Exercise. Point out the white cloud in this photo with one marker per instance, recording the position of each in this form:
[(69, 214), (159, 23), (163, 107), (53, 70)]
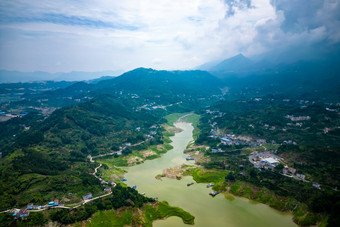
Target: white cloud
[(169, 34)]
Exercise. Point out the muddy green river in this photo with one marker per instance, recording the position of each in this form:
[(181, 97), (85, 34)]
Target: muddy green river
[(208, 211)]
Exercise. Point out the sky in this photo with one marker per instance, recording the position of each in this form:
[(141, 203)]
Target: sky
[(97, 35)]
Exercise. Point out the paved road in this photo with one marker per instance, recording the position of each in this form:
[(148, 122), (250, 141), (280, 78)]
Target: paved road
[(94, 174), (89, 200), (115, 152)]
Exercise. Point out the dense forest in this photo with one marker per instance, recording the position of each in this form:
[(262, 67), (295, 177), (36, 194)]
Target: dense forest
[(304, 133), (45, 156)]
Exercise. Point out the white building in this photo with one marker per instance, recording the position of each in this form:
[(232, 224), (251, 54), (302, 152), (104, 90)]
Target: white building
[(271, 161)]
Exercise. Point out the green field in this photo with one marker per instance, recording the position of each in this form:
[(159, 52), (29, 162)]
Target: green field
[(163, 210), (192, 118), (172, 118), (141, 217), (109, 218)]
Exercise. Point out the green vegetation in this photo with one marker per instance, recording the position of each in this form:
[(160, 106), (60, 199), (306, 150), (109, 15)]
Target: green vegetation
[(122, 197), (311, 147), (143, 216), (110, 172), (34, 219), (171, 118), (194, 119), (26, 180), (163, 210), (44, 157), (49, 161), (110, 218), (206, 176)]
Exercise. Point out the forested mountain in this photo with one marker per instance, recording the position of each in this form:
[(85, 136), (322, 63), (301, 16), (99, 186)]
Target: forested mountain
[(318, 76), (7, 76), (46, 156), (162, 87), (233, 65), (48, 151), (150, 83), (39, 149)]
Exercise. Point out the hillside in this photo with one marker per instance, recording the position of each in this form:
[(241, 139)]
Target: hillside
[(302, 133), (319, 76), (49, 159), (53, 150), (233, 65), (169, 84)]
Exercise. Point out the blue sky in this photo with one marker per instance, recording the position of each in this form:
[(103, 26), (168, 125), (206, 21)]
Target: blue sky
[(88, 35)]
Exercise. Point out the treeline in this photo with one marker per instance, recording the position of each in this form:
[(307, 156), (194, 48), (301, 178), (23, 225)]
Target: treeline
[(266, 119), (121, 197), (316, 153)]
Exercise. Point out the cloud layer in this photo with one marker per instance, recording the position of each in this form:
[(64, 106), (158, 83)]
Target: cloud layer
[(169, 34)]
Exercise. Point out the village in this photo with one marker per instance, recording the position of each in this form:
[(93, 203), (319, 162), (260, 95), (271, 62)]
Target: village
[(231, 139), (268, 160), (22, 213)]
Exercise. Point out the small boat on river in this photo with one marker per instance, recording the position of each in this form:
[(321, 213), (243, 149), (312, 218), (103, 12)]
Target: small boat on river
[(189, 184), (210, 185), (213, 194)]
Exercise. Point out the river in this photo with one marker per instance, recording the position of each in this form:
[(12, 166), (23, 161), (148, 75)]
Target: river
[(195, 199)]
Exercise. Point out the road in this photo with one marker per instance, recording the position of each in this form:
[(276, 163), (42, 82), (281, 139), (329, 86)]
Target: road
[(89, 200), (115, 152), (94, 174)]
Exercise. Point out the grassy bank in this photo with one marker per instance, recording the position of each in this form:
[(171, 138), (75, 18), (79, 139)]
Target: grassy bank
[(206, 176), (172, 118), (109, 218), (194, 119), (164, 210), (191, 118), (300, 212), (137, 216)]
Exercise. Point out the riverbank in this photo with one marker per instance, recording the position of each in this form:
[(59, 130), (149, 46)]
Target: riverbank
[(113, 166), (288, 205), (195, 199), (143, 216)]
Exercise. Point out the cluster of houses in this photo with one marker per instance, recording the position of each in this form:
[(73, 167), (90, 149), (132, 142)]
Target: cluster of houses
[(291, 172), (102, 181), (264, 160), (299, 118), (21, 213), (24, 212), (153, 106), (87, 196), (231, 139), (332, 110), (268, 160)]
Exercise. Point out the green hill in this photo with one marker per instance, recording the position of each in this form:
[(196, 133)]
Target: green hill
[(49, 159)]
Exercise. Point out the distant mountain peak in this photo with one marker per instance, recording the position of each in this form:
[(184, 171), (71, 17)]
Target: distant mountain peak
[(236, 59), (235, 63), (240, 55)]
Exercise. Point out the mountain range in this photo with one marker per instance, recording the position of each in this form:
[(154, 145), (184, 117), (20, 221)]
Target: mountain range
[(7, 76)]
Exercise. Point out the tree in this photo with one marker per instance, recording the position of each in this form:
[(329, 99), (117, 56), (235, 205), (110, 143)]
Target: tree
[(279, 166), (230, 177)]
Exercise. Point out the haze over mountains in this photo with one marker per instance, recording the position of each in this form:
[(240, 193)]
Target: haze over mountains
[(90, 88), (7, 76)]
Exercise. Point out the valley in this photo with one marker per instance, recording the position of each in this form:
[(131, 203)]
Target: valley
[(110, 140), (170, 113)]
